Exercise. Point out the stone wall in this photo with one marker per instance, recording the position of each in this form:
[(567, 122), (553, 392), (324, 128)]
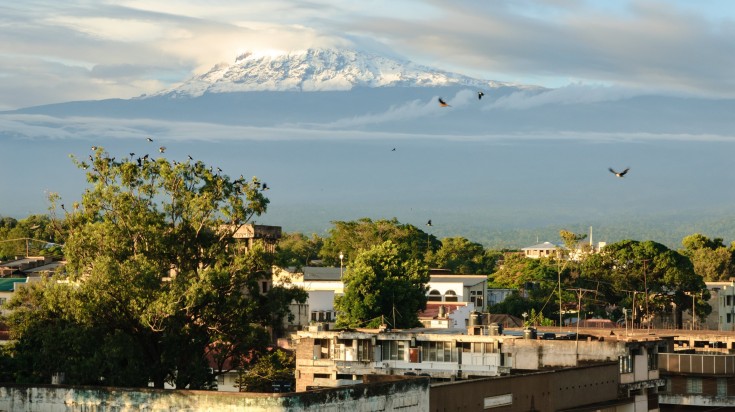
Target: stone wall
[(406, 395)]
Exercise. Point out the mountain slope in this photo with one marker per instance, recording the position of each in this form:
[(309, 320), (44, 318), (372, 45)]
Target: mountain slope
[(318, 70)]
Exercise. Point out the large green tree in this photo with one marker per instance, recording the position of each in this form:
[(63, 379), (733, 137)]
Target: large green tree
[(297, 249), (350, 237), (660, 279), (711, 258), (460, 255), (151, 258), (383, 284)]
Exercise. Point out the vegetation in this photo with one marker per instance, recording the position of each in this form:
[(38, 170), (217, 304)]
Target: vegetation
[(155, 286), (383, 284), (266, 368)]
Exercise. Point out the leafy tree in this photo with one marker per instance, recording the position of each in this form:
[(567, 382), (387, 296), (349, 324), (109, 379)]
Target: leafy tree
[(711, 259), (517, 305), (266, 368), (35, 235), (152, 261), (352, 237), (631, 267), (462, 256), (296, 249), (383, 283)]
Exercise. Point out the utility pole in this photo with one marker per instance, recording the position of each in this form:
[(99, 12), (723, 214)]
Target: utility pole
[(645, 288), (580, 292)]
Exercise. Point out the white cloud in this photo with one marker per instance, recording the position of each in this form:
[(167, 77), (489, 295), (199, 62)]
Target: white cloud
[(571, 94)]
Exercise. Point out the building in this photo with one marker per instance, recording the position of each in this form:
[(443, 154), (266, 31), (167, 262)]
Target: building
[(459, 288), (322, 284), (545, 249), (446, 314), (8, 286), (342, 358)]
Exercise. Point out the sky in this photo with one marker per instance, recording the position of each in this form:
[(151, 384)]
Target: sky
[(54, 51)]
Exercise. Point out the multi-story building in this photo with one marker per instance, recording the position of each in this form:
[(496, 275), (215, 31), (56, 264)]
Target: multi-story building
[(339, 358), (322, 284)]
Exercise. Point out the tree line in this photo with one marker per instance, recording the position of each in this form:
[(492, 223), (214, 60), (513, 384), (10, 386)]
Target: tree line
[(156, 289)]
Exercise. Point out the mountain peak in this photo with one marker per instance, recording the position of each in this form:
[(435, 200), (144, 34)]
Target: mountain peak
[(317, 70)]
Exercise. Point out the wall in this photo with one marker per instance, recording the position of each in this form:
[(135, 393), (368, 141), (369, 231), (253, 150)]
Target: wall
[(406, 395), (540, 391)]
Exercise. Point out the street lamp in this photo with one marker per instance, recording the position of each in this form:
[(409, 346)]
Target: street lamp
[(341, 256)]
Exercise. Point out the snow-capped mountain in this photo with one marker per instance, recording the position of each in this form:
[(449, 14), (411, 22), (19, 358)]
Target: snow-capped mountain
[(319, 70)]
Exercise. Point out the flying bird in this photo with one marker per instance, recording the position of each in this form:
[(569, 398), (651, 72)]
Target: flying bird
[(619, 174), (94, 147), (265, 186), (162, 149), (442, 103), (190, 158), (479, 95), (429, 223), (394, 149), (149, 139)]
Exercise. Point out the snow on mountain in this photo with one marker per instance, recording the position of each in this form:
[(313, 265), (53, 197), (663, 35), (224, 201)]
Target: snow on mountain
[(318, 70)]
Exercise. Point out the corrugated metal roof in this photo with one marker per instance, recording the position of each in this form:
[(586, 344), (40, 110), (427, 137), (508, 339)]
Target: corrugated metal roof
[(542, 246)]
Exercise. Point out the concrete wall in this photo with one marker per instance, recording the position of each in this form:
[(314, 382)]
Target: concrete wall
[(406, 395), (541, 391)]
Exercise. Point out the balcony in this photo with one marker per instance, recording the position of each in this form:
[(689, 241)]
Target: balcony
[(696, 364)]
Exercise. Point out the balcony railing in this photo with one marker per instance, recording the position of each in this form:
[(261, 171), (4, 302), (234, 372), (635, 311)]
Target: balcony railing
[(696, 364)]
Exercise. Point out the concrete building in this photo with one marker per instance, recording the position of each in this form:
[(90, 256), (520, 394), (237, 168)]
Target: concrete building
[(700, 371), (343, 358), (544, 249), (322, 284)]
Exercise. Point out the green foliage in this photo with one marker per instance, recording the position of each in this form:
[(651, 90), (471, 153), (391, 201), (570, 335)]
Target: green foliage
[(298, 250), (266, 368), (629, 266), (462, 256), (352, 237), (152, 264), (517, 305), (36, 235), (711, 259), (383, 283)]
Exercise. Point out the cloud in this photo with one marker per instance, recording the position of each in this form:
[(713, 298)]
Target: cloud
[(412, 110), (572, 94), (43, 127), (672, 47)]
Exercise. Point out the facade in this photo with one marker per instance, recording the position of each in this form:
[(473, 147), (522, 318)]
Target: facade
[(459, 288), (343, 358), (446, 315), (700, 371), (545, 249), (322, 284)]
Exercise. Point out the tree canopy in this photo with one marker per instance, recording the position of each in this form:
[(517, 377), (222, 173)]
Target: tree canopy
[(154, 271), (351, 237), (383, 284), (656, 276), (460, 255), (711, 258)]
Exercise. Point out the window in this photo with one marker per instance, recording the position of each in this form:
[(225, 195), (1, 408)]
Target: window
[(722, 387), (450, 296), (476, 298), (626, 364), (435, 296), (264, 286), (694, 385), (437, 352), (394, 350), (652, 360), (364, 350)]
